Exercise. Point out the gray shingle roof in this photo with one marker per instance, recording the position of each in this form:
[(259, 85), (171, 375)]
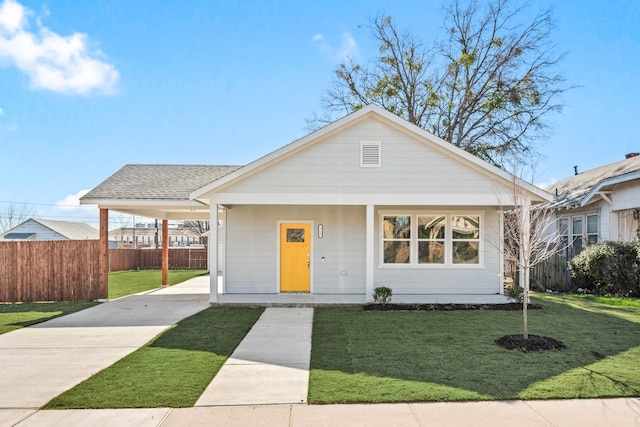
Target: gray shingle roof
[(157, 182), (571, 191)]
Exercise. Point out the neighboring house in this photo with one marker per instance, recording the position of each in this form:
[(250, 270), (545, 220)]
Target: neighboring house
[(599, 204), (369, 200), (147, 235), (46, 229)]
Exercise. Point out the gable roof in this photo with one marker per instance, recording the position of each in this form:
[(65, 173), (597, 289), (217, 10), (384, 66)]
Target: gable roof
[(585, 187), (156, 182), (70, 230), (370, 110)]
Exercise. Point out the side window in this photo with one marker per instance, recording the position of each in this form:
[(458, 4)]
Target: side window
[(465, 236), (576, 234), (592, 229)]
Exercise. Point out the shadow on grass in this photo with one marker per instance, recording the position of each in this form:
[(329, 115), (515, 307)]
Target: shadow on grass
[(362, 356)]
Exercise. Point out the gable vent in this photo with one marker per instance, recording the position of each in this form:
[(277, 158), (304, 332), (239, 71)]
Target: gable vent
[(370, 154)]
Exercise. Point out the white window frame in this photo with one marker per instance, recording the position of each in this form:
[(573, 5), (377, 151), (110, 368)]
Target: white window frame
[(569, 234), (413, 241)]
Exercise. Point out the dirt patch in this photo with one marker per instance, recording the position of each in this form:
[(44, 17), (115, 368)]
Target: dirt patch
[(533, 343), (513, 306)]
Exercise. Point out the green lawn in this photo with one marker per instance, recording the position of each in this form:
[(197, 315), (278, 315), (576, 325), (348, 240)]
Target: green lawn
[(122, 283), (172, 370), (18, 315), (360, 356)]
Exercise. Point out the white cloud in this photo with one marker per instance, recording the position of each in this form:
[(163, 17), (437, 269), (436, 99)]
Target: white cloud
[(1, 111), (348, 47), (72, 202), (53, 62)]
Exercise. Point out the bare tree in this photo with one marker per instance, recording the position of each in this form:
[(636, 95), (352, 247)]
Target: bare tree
[(119, 228), (486, 89), (15, 214), (530, 236), (198, 227)]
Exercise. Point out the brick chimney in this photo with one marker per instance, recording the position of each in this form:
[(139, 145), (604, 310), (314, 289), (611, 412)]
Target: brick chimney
[(630, 155)]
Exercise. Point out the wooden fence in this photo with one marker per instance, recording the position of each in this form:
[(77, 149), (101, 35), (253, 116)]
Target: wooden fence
[(63, 270), (131, 259)]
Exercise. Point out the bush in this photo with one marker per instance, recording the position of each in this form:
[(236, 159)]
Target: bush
[(612, 268), (382, 295), (514, 292)]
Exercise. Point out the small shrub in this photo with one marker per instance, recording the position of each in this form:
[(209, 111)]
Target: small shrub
[(514, 292), (613, 268), (382, 295)]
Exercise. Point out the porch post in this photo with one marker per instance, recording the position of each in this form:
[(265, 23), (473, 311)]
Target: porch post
[(165, 252), (213, 251), (103, 255), (369, 254)]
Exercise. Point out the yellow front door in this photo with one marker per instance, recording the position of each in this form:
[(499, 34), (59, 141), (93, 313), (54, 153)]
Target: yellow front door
[(295, 253)]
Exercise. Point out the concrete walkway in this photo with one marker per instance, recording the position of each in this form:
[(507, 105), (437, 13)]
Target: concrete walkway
[(270, 365), (39, 362), (558, 413)]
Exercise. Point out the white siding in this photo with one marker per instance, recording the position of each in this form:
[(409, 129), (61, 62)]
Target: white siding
[(252, 254), (332, 166), (252, 248), (627, 196), (484, 279)]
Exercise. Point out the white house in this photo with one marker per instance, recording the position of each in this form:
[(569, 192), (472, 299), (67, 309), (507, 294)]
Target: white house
[(599, 204), (46, 229), (370, 200)]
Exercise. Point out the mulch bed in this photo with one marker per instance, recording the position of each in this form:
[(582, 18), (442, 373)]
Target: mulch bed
[(513, 306), (533, 343)]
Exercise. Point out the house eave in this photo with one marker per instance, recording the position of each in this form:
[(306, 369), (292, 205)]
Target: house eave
[(599, 189)]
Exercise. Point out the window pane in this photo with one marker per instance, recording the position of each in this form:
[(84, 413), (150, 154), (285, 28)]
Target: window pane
[(431, 227), (396, 252), (564, 226), (592, 238), (295, 235), (577, 245), (431, 252), (465, 252), (465, 227), (577, 226), (592, 224), (397, 227)]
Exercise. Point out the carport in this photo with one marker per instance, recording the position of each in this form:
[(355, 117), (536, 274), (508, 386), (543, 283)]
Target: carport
[(153, 191)]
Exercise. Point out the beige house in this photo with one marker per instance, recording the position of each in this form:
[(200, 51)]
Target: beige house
[(369, 200), (599, 204), (46, 229)]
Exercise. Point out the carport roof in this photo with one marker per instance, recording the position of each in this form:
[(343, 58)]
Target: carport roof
[(157, 191), (156, 182)]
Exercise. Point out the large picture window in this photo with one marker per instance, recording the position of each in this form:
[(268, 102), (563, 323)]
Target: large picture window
[(431, 239)]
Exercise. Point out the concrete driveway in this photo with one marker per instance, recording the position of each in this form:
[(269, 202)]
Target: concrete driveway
[(40, 362)]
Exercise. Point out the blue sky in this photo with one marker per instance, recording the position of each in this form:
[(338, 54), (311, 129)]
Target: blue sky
[(86, 87)]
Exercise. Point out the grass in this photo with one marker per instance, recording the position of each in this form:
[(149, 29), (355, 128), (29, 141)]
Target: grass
[(618, 302), (360, 356), (122, 283), (19, 315), (172, 370)]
